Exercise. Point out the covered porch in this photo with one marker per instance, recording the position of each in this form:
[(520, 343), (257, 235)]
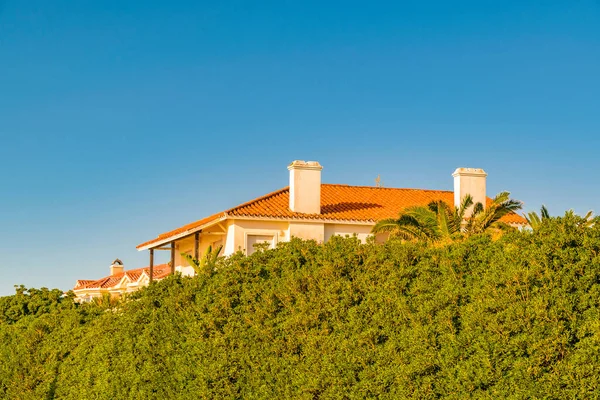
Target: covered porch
[(193, 242)]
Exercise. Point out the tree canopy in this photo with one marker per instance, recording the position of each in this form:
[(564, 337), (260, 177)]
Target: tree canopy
[(517, 317)]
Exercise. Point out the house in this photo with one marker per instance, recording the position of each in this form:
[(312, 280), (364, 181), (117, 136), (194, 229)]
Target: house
[(307, 208), (118, 282)]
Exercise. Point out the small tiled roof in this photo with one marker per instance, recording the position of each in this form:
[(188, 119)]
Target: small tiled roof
[(342, 203), (160, 271), (83, 282)]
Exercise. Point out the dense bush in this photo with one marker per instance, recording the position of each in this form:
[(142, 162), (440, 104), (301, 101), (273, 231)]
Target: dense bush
[(518, 317)]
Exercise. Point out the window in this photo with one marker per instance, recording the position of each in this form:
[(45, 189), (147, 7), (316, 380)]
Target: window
[(251, 240)]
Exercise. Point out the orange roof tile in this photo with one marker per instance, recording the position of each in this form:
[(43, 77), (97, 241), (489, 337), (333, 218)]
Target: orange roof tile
[(82, 282), (338, 203), (160, 271)]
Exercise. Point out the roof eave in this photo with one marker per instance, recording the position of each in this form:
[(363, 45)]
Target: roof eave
[(308, 219), (189, 232)]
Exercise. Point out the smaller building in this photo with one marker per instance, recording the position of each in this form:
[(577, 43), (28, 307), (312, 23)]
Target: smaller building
[(120, 281)]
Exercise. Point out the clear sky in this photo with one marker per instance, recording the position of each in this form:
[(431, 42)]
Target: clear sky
[(120, 119)]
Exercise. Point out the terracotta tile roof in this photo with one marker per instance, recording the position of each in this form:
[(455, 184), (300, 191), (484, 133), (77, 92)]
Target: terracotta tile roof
[(183, 229), (338, 203), (83, 282), (160, 271)]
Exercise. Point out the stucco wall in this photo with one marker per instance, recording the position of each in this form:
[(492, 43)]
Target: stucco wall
[(238, 230), (186, 245), (307, 230), (362, 231), (230, 239)]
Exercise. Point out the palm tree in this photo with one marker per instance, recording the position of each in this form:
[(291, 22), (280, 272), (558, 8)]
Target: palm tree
[(488, 219), (439, 221), (586, 221), (534, 220), (436, 222), (207, 263)]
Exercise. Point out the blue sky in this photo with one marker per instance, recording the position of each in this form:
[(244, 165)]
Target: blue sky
[(123, 119)]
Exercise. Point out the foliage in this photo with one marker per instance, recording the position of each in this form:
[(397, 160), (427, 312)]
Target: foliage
[(436, 222), (517, 317), (440, 222), (587, 221), (207, 263), (534, 220), (488, 219)]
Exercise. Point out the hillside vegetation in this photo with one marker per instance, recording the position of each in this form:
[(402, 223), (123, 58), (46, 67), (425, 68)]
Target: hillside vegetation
[(516, 317)]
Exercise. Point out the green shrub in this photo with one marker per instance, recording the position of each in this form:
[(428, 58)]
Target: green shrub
[(518, 317)]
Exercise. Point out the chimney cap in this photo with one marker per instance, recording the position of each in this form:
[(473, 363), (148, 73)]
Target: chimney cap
[(469, 172), (117, 262), (301, 164)]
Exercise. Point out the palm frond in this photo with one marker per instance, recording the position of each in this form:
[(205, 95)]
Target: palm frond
[(544, 212), (410, 233), (477, 209), (434, 205), (191, 260), (385, 226), (589, 220), (465, 203), (504, 227), (207, 262), (533, 219), (444, 220), (484, 219), (506, 207), (426, 221), (501, 197), (441, 221)]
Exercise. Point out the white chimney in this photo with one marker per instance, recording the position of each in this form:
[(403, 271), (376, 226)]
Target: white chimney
[(116, 267), (305, 187), (469, 181)]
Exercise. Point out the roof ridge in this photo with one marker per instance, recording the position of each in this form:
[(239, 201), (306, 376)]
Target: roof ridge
[(99, 282), (146, 267), (286, 188), (385, 188), (263, 197)]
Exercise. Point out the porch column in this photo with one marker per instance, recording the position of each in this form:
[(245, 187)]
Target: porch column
[(172, 258), (151, 265), (196, 244)]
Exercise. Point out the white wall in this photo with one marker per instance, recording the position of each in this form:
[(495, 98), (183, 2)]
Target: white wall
[(307, 230), (363, 231), (207, 238), (238, 232)]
